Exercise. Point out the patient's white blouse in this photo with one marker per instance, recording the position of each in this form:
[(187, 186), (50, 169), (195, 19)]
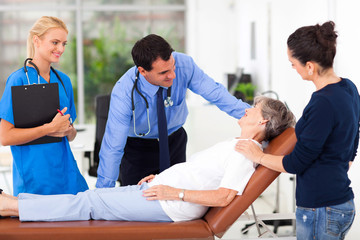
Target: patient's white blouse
[(215, 167)]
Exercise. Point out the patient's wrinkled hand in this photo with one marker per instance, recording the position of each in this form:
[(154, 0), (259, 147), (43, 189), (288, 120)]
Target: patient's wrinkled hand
[(161, 192), (147, 179)]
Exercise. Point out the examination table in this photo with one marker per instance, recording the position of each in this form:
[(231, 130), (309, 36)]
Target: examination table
[(215, 222)]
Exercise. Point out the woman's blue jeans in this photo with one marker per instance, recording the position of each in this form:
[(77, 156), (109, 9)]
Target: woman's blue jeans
[(325, 223)]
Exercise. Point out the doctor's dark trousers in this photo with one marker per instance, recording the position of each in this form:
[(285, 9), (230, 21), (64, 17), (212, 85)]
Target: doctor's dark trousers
[(141, 156)]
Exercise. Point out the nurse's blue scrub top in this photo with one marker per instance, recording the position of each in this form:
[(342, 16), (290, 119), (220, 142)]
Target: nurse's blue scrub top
[(43, 168)]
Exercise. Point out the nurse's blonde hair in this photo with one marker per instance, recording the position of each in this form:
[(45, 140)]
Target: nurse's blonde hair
[(40, 27)]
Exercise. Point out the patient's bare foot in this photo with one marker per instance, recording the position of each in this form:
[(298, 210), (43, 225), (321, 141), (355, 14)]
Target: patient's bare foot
[(8, 205), (9, 196)]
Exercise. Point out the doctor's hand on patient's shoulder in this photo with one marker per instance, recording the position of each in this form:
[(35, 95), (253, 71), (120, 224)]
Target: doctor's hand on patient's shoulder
[(146, 179), (250, 150), (60, 125)]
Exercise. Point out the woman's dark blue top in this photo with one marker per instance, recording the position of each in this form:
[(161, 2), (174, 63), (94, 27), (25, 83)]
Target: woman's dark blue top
[(327, 139)]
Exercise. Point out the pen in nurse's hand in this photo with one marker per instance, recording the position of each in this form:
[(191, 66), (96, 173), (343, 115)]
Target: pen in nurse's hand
[(70, 119), (60, 112)]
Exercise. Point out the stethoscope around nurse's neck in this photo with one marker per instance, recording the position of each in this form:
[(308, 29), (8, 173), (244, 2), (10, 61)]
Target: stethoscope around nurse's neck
[(168, 102), (29, 60)]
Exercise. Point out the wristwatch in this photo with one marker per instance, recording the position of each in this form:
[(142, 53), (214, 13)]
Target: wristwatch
[(181, 195)]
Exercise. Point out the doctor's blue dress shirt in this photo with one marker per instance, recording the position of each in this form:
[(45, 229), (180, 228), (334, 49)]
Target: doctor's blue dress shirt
[(48, 168), (120, 123)]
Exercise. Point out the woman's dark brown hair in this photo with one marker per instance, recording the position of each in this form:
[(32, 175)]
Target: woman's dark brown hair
[(314, 43)]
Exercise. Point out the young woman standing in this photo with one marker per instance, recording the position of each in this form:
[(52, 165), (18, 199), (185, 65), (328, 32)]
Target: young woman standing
[(48, 168), (327, 139)]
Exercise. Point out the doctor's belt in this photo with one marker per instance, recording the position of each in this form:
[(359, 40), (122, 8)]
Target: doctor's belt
[(148, 140)]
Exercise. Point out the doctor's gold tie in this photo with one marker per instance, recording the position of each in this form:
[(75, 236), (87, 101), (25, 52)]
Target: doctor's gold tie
[(164, 156)]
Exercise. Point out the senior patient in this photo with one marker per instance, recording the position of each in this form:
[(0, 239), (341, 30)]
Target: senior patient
[(212, 177)]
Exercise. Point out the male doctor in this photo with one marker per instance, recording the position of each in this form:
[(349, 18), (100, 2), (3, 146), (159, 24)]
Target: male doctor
[(144, 133)]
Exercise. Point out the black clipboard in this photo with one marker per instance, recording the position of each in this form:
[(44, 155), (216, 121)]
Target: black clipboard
[(35, 105)]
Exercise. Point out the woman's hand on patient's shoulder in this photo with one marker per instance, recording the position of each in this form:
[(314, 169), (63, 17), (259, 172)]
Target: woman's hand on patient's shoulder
[(249, 149), (146, 179)]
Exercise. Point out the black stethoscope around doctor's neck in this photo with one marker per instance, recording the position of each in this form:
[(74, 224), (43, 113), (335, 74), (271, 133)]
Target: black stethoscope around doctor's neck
[(29, 60), (168, 102)]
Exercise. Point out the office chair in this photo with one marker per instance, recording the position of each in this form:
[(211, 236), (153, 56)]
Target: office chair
[(102, 103)]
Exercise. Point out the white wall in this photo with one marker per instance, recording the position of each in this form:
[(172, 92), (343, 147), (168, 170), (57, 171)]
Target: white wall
[(257, 13), (211, 38), (286, 17), (348, 49), (211, 41), (275, 21)]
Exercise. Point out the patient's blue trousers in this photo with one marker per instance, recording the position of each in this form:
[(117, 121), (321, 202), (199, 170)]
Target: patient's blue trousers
[(120, 203)]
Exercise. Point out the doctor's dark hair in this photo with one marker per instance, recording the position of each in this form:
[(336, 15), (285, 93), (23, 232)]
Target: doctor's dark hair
[(148, 49), (40, 28), (278, 115), (314, 43)]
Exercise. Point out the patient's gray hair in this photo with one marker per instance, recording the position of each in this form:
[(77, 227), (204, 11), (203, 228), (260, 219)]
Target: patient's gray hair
[(279, 116)]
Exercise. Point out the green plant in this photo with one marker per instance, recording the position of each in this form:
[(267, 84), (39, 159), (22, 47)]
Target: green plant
[(248, 89), (107, 56), (106, 59)]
